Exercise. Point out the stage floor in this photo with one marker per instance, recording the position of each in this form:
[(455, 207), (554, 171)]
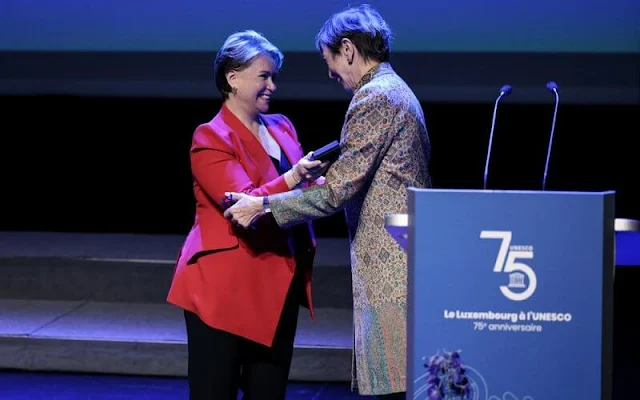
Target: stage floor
[(54, 386), (83, 316)]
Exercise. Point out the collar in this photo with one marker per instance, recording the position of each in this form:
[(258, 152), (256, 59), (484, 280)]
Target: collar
[(378, 70)]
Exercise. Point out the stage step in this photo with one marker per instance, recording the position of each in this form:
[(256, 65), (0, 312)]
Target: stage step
[(96, 303), (132, 247), (129, 268), (146, 339)]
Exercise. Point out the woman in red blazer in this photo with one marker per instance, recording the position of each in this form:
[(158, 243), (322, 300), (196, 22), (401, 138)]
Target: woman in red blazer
[(241, 289)]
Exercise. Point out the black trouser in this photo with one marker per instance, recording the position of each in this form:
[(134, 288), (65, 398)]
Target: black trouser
[(220, 363)]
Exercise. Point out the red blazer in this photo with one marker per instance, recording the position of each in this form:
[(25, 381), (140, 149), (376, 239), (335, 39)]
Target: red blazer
[(236, 280)]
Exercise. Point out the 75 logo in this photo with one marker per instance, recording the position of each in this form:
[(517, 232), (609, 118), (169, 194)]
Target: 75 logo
[(508, 261)]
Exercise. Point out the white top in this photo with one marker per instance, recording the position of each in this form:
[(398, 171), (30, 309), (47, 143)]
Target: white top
[(268, 142)]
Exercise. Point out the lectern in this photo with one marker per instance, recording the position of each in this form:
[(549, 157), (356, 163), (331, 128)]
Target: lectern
[(519, 282)]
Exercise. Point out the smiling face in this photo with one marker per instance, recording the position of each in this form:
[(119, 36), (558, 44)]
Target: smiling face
[(339, 67), (255, 84)]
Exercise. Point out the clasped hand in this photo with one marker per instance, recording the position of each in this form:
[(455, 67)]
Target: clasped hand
[(247, 209)]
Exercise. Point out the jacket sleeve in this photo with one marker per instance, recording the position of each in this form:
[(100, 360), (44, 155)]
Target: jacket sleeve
[(216, 168), (366, 136)]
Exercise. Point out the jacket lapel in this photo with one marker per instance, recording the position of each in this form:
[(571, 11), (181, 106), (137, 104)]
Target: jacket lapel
[(259, 157), (288, 146)]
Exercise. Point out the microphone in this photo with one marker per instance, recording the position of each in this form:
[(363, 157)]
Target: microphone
[(553, 88), (504, 91)]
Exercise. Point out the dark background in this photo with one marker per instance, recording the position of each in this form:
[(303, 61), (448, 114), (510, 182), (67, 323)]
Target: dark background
[(121, 164)]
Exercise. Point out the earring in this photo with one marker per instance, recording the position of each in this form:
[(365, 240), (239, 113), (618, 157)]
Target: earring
[(234, 90)]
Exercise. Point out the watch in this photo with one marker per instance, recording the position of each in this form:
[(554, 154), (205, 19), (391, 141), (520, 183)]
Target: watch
[(265, 204)]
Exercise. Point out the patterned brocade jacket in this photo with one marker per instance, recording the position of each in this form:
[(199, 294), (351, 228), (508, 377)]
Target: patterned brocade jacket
[(384, 149)]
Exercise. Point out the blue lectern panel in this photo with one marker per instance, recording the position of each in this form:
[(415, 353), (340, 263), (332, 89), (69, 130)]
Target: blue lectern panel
[(518, 281)]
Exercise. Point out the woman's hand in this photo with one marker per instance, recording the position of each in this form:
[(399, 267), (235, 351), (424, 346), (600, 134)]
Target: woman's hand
[(246, 210), (307, 170)]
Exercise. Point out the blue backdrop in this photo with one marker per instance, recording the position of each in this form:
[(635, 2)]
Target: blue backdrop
[(419, 26), (446, 50)]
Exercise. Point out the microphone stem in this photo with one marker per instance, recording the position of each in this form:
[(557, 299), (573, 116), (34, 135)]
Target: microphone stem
[(493, 124), (553, 127)]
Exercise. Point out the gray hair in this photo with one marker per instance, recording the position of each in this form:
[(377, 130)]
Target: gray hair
[(237, 52), (364, 26)]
